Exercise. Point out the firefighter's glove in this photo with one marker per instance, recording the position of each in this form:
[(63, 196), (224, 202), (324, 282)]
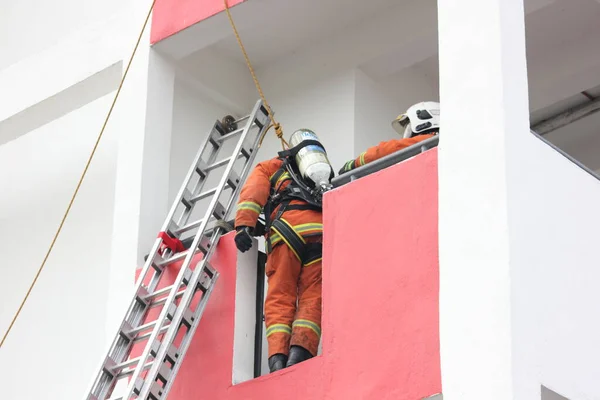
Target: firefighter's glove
[(243, 238), (350, 165)]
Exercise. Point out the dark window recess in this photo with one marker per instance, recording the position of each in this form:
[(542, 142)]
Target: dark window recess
[(258, 330)]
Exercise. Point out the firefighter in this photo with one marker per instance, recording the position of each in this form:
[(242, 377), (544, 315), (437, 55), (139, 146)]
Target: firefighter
[(288, 189), (421, 121)]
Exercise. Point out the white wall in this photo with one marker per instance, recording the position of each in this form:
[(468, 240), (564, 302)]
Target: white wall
[(64, 317), (326, 106), (193, 118), (66, 60), (553, 224), (31, 26), (374, 111)]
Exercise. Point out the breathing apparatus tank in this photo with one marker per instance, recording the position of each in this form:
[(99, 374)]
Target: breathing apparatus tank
[(312, 160)]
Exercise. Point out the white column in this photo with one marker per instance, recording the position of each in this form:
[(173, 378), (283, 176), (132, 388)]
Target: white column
[(483, 92), (157, 151), (142, 182)]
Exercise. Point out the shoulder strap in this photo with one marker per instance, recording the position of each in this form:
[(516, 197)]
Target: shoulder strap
[(276, 176), (294, 150)]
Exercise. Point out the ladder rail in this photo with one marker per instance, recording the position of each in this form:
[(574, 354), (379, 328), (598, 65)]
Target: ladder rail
[(175, 327), (101, 380), (171, 332), (136, 312), (191, 330), (245, 172), (160, 333), (198, 314)]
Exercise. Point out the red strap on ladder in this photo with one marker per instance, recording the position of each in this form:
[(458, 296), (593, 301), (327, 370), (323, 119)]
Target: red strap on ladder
[(168, 242)]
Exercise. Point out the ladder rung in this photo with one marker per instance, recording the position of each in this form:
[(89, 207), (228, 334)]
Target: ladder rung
[(230, 135), (163, 301), (204, 194), (212, 191), (219, 213), (242, 119), (218, 164), (130, 371), (177, 257), (126, 364), (141, 328), (158, 293), (188, 227), (202, 247), (147, 334), (135, 331)]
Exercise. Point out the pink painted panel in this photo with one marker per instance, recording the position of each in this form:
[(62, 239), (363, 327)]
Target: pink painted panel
[(381, 284), (214, 336), (172, 16), (380, 301)]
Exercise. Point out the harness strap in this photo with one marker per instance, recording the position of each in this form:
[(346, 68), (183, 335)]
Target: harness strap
[(294, 241), (302, 207), (313, 252), (307, 253)]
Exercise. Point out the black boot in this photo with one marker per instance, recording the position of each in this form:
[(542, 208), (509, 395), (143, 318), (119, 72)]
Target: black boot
[(277, 362), (297, 355)]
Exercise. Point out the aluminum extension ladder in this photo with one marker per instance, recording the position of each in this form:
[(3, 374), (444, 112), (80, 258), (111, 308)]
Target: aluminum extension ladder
[(166, 339)]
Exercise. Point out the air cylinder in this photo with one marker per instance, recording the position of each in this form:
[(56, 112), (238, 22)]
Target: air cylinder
[(312, 160)]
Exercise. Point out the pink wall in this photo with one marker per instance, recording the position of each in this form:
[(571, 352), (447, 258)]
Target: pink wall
[(172, 16), (380, 301)]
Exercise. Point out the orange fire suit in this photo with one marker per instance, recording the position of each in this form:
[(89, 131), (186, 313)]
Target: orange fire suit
[(288, 280), (382, 150)]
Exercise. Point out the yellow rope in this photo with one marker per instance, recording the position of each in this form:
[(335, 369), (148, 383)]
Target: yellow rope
[(274, 124), (82, 175)]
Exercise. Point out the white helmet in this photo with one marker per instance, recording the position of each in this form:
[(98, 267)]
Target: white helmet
[(421, 117)]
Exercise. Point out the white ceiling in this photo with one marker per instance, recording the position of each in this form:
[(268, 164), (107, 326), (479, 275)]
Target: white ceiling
[(387, 39), (292, 25)]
